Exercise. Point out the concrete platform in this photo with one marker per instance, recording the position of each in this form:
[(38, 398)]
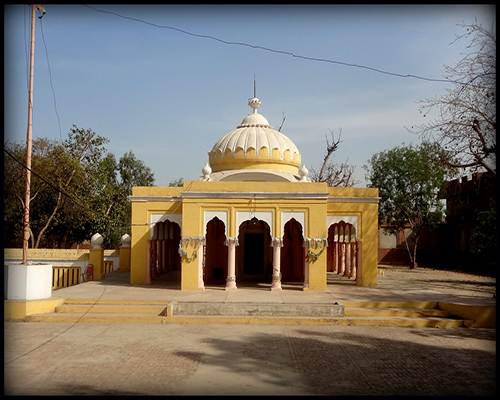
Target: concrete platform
[(392, 302), (117, 286), (260, 309)]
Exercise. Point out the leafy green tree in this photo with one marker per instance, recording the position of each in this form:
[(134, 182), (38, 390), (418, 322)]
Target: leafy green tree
[(77, 189), (133, 172), (410, 180), (55, 173), (176, 183)]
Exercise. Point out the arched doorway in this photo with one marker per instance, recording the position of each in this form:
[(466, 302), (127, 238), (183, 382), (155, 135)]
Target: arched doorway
[(292, 253), (215, 271), (254, 257), (163, 256), (342, 250)]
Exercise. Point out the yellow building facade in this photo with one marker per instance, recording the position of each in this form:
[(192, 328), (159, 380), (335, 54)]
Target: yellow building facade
[(254, 217)]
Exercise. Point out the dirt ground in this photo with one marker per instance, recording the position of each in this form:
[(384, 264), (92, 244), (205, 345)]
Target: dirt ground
[(451, 282)]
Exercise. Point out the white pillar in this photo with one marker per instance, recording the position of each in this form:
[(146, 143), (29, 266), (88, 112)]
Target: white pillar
[(200, 251), (231, 264), (306, 265), (276, 284)]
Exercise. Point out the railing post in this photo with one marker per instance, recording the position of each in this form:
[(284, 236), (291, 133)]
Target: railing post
[(96, 257), (124, 253)]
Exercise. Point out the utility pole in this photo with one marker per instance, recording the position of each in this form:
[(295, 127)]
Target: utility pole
[(26, 222)]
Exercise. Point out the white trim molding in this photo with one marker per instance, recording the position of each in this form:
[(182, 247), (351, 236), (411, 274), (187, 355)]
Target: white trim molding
[(266, 216), (349, 219), (353, 199), (153, 198), (299, 216), (256, 195), (155, 218), (210, 215)]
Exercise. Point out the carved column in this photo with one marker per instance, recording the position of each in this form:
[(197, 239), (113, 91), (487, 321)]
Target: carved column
[(201, 259), (306, 265), (277, 244), (231, 263)]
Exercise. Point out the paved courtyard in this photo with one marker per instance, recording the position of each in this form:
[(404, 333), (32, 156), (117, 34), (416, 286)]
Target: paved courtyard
[(215, 359), (196, 359)]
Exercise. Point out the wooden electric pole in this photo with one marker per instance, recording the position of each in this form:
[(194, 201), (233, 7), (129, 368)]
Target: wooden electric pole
[(26, 222)]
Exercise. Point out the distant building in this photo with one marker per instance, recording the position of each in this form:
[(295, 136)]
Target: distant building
[(254, 217), (465, 198), (450, 243)]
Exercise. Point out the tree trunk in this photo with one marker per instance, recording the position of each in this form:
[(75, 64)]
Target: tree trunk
[(414, 264), (62, 245), (408, 249), (42, 231)]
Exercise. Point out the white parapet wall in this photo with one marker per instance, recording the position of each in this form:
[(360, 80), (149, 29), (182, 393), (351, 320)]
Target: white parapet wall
[(56, 257), (20, 283), (60, 257)]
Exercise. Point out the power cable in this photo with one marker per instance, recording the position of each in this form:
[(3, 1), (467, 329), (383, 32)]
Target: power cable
[(280, 51), (50, 79)]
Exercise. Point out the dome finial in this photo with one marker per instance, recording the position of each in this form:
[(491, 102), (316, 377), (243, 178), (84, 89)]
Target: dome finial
[(255, 102)]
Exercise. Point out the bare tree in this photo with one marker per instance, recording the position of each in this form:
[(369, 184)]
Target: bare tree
[(283, 118), (335, 175), (464, 131)]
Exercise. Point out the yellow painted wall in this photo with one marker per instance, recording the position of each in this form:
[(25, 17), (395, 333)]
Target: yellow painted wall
[(141, 217), (16, 310), (316, 209), (367, 213), (263, 160)]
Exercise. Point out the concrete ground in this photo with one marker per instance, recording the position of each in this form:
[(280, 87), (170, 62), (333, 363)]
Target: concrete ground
[(215, 359), (199, 359)]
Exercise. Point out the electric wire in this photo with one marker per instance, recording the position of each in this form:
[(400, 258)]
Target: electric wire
[(288, 53), (50, 79), (64, 331)]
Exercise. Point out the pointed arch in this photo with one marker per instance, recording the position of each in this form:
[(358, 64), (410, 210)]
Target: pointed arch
[(216, 252), (292, 259), (342, 250)]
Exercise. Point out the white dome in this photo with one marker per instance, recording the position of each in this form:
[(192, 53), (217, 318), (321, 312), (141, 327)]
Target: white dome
[(255, 132), (254, 119)]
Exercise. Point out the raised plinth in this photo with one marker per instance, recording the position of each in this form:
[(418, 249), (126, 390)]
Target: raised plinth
[(238, 309), (27, 282)]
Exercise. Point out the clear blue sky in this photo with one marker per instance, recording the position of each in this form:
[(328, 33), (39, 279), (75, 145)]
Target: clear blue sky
[(169, 96)]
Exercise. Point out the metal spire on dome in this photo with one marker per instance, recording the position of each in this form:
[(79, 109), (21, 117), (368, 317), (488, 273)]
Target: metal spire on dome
[(255, 102)]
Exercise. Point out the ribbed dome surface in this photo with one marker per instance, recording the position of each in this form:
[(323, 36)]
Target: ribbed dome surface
[(255, 132), (256, 138)]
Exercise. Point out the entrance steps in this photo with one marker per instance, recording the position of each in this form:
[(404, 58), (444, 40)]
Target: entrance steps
[(404, 314)]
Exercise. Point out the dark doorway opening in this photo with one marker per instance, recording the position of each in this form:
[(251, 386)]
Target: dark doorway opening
[(253, 260), (254, 256), (215, 270), (292, 253)]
